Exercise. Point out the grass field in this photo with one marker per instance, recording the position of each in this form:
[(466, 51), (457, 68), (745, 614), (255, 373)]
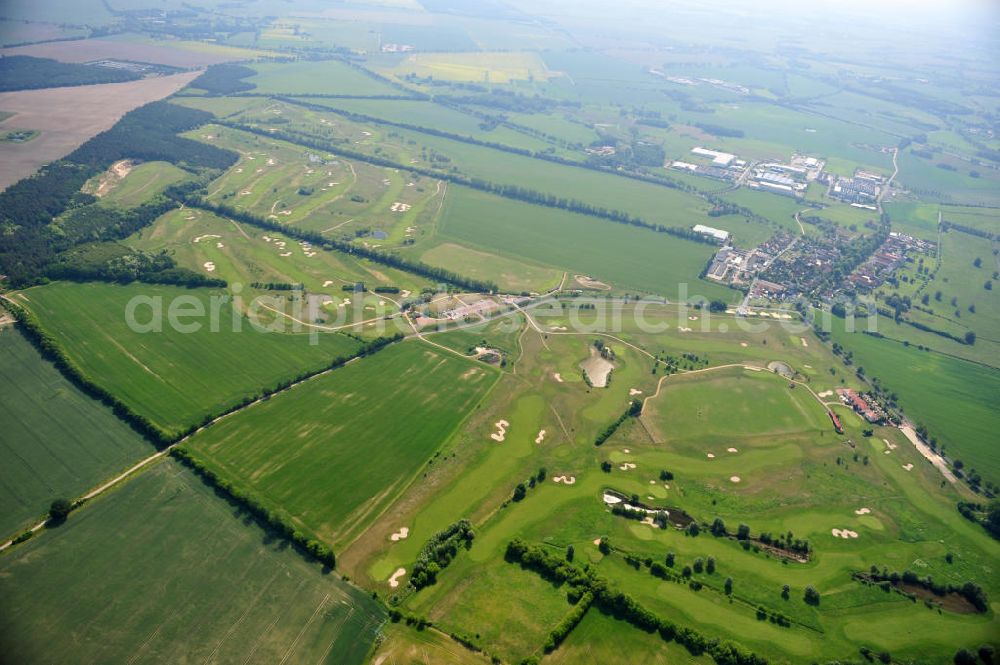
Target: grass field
[(162, 570), (175, 378), (623, 256), (46, 457), (498, 67), (334, 452), (956, 399), (510, 274), (143, 183), (327, 77)]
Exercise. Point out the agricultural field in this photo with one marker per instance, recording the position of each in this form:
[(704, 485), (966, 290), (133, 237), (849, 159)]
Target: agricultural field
[(490, 67), (226, 590), (385, 399), (46, 458), (179, 375), (327, 77)]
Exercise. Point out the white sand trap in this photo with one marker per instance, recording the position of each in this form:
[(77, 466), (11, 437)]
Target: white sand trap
[(683, 330), (327, 283), (651, 497), (849, 534), (566, 480), (804, 342), (692, 318), (270, 162), (540, 437), (400, 207), (239, 170), (266, 238), (501, 432), (862, 511), (366, 133), (825, 393), (285, 254), (732, 450), (710, 456), (889, 444), (597, 541), (557, 377), (209, 266), (744, 344), (627, 466), (837, 533), (209, 235), (394, 580), (259, 171), (908, 467), (611, 499), (627, 451), (652, 482), (347, 301), (665, 486), (309, 255), (404, 294), (734, 479), (219, 245), (633, 391), (401, 534), (887, 452), (246, 192), (558, 328)]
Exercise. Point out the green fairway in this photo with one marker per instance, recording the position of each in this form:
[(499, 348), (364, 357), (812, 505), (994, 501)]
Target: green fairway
[(55, 441), (174, 376), (335, 451), (143, 183), (162, 570)]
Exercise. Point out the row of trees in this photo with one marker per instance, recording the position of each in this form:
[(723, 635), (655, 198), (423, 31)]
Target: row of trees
[(439, 551), (618, 604), (633, 411)]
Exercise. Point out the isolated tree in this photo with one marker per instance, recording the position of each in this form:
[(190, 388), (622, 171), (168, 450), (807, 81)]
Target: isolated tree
[(718, 527), (570, 553), (520, 492), (785, 591), (710, 565), (604, 546), (686, 572), (671, 557), (606, 466), (964, 657), (811, 596), (59, 509), (743, 532), (728, 587), (693, 529), (699, 565)]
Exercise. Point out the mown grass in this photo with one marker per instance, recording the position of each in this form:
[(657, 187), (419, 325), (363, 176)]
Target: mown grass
[(56, 441), (336, 450), (175, 377), (162, 570), (143, 183), (320, 77)]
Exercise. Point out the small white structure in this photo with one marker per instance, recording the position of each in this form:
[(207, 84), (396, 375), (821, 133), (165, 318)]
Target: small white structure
[(718, 234)]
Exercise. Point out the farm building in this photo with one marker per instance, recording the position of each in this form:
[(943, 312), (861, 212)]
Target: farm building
[(718, 234)]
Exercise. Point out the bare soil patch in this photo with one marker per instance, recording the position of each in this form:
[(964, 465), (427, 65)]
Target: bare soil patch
[(66, 117)]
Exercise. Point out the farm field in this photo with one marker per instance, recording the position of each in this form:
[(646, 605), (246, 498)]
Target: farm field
[(386, 400), (490, 67), (227, 591), (175, 377), (66, 117), (46, 458), (324, 77), (622, 256)]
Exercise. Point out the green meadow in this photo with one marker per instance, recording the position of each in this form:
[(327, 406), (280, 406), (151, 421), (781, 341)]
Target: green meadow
[(45, 458), (176, 376), (163, 570)]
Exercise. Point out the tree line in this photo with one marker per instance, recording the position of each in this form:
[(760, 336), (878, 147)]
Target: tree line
[(606, 598), (439, 551), (633, 411), (22, 72)]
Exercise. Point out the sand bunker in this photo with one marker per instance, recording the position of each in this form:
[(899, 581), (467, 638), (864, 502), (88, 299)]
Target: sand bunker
[(744, 344), (597, 369), (626, 451), (209, 235), (692, 318), (710, 455), (734, 479), (327, 283), (804, 342), (557, 377), (683, 330), (611, 499), (862, 511), (400, 207), (540, 437), (652, 482), (285, 254), (568, 480), (825, 393), (732, 450), (908, 466), (627, 466), (209, 266), (843, 533), (501, 432), (558, 328), (394, 580), (401, 534), (634, 391)]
